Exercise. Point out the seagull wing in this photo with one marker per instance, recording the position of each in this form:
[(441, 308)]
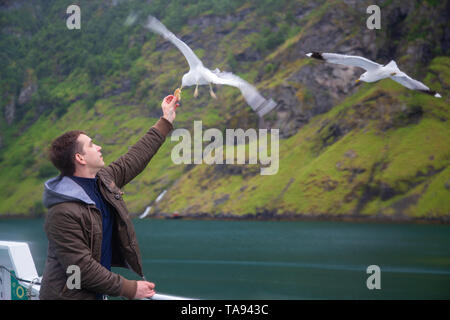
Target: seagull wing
[(413, 84), (156, 26), (354, 61), (256, 101)]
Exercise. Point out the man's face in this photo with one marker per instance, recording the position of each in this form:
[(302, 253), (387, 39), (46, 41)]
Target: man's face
[(90, 155)]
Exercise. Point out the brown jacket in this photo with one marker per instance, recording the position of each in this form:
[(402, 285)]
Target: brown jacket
[(74, 227)]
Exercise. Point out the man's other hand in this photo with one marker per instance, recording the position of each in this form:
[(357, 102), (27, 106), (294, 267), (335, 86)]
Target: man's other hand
[(144, 289), (168, 106)]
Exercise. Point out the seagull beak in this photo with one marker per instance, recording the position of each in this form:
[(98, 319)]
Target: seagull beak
[(357, 81)]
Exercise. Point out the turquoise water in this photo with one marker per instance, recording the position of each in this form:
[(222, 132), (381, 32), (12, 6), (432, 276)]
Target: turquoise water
[(279, 260)]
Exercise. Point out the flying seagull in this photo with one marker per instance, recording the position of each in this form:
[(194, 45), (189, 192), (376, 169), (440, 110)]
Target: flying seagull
[(375, 71), (199, 75)]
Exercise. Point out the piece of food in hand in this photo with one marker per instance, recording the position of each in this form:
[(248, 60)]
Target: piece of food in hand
[(169, 100), (177, 94)]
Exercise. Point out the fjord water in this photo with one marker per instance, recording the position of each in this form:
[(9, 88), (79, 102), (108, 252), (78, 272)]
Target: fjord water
[(279, 260)]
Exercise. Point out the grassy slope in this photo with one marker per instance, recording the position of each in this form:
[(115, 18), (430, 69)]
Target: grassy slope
[(346, 176), (411, 159)]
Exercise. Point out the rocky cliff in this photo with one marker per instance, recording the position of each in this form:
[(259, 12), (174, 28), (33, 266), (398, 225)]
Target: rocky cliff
[(346, 150)]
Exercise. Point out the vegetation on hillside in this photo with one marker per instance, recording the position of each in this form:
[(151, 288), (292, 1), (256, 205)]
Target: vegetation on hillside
[(376, 150)]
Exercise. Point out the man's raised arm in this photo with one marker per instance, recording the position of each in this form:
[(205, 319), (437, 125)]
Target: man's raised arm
[(128, 166)]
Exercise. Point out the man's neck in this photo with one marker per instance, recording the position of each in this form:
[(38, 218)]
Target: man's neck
[(85, 173)]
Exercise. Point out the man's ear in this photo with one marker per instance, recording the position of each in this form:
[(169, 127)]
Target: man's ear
[(79, 158)]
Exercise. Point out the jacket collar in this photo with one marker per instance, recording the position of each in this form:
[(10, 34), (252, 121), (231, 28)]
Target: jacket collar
[(108, 182), (63, 189)]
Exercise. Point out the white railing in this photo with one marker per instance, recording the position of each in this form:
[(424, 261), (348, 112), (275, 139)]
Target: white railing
[(16, 256), (160, 296)]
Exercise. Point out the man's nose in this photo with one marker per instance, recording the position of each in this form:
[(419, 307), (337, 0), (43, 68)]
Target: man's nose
[(99, 148)]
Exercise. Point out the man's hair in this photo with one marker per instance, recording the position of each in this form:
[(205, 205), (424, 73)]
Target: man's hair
[(62, 152)]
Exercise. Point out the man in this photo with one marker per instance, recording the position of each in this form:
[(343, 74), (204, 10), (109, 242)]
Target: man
[(88, 225)]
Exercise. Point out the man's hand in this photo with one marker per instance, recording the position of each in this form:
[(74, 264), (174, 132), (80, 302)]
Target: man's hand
[(168, 106), (144, 289)]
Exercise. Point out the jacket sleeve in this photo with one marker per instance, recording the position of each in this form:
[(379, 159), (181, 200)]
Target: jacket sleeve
[(69, 245), (128, 166)]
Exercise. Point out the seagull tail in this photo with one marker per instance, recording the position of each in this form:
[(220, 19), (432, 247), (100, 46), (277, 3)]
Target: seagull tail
[(392, 64)]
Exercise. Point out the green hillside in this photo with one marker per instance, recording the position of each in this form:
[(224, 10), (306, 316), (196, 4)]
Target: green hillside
[(354, 151)]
